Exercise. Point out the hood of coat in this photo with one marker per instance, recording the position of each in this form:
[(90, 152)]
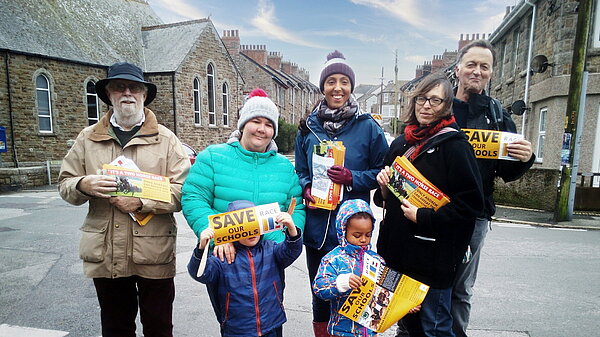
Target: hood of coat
[(348, 209)]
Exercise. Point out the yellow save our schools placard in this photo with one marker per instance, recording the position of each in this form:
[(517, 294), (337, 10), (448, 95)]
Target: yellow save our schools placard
[(491, 144), (244, 223)]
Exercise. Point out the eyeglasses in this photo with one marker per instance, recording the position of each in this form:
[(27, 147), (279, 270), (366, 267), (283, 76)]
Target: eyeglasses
[(433, 101), (135, 87)]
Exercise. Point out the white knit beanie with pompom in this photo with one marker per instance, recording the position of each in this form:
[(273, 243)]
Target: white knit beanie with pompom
[(258, 104)]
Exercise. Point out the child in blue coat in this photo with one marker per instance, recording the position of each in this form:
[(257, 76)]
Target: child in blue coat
[(250, 289), (341, 268)]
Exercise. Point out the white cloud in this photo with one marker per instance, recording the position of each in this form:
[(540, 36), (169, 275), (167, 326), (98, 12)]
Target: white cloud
[(365, 38), (180, 9), (405, 10), (266, 22), (418, 59)]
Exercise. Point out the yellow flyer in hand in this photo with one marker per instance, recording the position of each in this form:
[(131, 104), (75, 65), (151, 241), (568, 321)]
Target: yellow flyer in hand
[(245, 223), (384, 297), (407, 182), (491, 144), (135, 183)]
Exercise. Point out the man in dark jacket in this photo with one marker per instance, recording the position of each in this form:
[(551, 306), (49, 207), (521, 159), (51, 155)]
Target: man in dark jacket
[(474, 109)]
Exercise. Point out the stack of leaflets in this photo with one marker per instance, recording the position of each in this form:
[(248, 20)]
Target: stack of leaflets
[(131, 182), (384, 297), (407, 182), (326, 193), (491, 144)]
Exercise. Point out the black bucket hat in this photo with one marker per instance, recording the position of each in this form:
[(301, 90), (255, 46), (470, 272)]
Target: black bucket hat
[(125, 71)]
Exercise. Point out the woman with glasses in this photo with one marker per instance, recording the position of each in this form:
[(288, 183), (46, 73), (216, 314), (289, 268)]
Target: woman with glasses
[(424, 244)]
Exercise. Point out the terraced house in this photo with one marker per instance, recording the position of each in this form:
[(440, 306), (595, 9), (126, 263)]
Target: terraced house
[(53, 52)]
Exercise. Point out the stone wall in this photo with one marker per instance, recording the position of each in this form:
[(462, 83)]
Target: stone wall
[(208, 49), (554, 36), (14, 179), (536, 189), (68, 102)]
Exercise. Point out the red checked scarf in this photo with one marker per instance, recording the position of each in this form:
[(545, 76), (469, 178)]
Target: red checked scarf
[(419, 135)]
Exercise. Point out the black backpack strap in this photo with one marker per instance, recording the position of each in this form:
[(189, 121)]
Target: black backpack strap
[(496, 113)]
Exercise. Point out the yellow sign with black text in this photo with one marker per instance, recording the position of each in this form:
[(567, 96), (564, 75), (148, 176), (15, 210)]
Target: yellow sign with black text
[(244, 223), (491, 144)]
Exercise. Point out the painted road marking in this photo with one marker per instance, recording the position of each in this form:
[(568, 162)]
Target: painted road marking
[(19, 331)]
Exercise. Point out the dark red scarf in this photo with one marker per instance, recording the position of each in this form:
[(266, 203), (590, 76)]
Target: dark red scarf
[(418, 135)]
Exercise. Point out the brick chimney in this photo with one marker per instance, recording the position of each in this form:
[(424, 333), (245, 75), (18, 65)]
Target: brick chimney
[(256, 52), (437, 63), (419, 71), (231, 39), (294, 70), (274, 60), (286, 67)]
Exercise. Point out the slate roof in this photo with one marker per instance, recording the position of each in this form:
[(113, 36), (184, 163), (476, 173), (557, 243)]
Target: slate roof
[(166, 46), (90, 31)]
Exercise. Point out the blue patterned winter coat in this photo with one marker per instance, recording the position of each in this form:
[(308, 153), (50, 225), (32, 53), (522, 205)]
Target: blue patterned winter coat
[(343, 259)]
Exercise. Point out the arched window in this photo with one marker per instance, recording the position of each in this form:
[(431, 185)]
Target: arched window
[(196, 94), (210, 76), (44, 104), (225, 105), (92, 103)]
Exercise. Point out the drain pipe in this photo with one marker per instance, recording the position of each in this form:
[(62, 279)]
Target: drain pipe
[(10, 110), (529, 53), (174, 104)]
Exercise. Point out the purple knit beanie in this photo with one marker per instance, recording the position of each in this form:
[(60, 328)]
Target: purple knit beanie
[(336, 64)]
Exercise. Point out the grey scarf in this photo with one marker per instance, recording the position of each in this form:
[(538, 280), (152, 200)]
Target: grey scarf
[(333, 120)]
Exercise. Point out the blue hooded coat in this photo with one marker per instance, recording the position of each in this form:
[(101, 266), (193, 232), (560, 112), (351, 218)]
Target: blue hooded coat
[(365, 149), (343, 259)]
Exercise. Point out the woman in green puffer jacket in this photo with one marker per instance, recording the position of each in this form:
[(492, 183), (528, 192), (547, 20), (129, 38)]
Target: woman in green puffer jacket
[(247, 167)]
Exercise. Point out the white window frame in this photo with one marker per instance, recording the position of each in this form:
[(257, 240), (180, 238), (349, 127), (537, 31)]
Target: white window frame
[(93, 96), (197, 101), (43, 116), (516, 50), (503, 60), (541, 143), (210, 78), (225, 96)]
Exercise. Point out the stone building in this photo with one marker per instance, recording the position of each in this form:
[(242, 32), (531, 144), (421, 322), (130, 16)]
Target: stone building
[(53, 52), (547, 28), (286, 83)]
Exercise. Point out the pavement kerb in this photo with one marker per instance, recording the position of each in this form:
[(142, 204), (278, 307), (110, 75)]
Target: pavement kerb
[(544, 224)]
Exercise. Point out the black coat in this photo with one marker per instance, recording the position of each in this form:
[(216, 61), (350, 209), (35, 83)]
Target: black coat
[(448, 162), (476, 114)]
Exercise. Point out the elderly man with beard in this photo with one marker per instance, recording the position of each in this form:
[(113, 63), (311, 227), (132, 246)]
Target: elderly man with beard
[(131, 265)]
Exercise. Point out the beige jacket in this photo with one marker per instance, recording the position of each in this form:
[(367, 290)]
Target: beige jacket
[(112, 243)]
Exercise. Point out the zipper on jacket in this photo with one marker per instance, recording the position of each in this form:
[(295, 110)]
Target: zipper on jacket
[(226, 307), (254, 291), (277, 294)]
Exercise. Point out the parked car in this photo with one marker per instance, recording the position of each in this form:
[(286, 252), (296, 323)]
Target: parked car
[(190, 152)]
